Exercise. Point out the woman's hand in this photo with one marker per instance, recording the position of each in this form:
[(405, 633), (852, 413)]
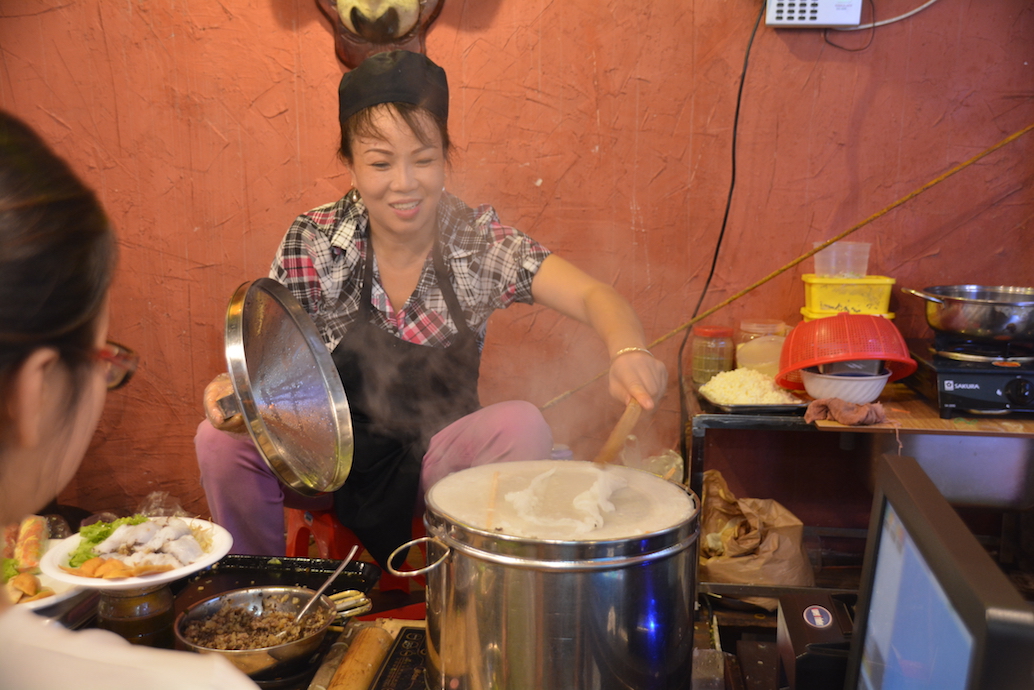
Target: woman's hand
[(636, 374), (219, 388)]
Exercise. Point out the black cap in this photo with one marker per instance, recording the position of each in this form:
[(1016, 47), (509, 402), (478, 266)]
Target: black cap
[(398, 76)]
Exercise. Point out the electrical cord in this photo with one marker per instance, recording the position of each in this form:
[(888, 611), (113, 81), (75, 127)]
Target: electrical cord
[(874, 24), (683, 410)]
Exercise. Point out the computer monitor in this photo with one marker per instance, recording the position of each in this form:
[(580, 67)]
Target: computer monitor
[(935, 612)]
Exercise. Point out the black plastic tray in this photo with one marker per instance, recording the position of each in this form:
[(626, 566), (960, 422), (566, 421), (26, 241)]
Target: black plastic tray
[(236, 571)]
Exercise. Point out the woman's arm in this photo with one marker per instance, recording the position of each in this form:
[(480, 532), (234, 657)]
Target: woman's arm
[(567, 289)]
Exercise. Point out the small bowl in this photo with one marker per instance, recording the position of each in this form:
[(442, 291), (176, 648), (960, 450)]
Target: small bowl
[(266, 661), (852, 388)]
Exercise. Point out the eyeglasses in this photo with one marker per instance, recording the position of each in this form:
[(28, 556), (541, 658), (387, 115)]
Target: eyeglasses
[(121, 363)]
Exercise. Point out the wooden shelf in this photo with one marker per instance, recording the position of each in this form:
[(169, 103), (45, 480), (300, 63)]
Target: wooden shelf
[(910, 412)]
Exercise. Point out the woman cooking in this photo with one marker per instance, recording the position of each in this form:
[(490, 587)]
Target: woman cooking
[(400, 278), (57, 255)]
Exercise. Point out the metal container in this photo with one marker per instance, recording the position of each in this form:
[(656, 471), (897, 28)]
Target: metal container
[(527, 587), (266, 661), (980, 312), (984, 471)]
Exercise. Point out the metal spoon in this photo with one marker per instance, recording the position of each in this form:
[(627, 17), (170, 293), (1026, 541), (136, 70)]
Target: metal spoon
[(308, 605)]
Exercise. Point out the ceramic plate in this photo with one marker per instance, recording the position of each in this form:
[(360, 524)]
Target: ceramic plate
[(57, 556)]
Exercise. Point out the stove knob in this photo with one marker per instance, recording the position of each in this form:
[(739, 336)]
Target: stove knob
[(1020, 392)]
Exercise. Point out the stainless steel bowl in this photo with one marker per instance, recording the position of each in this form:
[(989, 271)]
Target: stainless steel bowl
[(980, 312), (266, 660)]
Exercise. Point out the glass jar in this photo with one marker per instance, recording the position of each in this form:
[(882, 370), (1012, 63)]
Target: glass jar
[(759, 343), (713, 352), (143, 616)]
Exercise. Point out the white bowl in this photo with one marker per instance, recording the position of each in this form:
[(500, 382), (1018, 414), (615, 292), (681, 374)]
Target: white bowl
[(852, 388)]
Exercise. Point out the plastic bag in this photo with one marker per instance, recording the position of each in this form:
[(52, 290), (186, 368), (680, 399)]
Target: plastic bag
[(667, 465), (753, 541), (161, 504)]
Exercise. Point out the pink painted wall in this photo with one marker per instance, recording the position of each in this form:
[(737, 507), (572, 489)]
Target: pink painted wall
[(602, 128)]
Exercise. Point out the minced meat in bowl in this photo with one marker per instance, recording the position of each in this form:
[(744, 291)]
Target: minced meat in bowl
[(243, 625)]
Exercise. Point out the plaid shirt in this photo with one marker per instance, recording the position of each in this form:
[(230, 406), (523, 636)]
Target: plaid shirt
[(322, 256)]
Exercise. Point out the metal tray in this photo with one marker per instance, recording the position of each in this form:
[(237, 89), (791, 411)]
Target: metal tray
[(784, 410)]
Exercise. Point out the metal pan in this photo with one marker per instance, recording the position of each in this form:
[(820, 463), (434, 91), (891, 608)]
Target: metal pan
[(980, 312)]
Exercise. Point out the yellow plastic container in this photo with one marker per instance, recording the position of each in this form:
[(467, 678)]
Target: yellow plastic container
[(810, 315), (868, 295)]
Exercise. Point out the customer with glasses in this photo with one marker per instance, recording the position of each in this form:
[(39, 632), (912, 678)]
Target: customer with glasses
[(57, 255)]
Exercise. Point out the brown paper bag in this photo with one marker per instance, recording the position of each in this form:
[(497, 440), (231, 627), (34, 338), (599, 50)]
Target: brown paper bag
[(753, 541)]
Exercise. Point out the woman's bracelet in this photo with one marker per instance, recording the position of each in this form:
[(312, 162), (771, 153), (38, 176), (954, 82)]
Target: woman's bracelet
[(626, 350)]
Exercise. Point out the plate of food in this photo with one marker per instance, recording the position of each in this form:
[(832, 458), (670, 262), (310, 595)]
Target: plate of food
[(25, 542), (42, 591), (747, 391), (135, 552)]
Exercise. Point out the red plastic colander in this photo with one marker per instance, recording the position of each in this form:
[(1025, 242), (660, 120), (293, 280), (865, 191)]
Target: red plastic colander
[(843, 338)]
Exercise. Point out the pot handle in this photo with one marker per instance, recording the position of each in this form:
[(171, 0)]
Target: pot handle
[(419, 571), (923, 295)]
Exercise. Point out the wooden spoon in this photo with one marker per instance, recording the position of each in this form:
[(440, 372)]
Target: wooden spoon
[(616, 440)]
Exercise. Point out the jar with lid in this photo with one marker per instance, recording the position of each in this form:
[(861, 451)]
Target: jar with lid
[(713, 352), (758, 344)]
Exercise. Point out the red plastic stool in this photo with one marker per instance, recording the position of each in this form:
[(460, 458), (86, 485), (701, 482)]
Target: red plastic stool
[(334, 540)]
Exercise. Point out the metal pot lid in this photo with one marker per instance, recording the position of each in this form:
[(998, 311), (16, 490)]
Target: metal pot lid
[(287, 388)]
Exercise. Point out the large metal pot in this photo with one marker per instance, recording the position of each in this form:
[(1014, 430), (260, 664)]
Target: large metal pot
[(980, 312), (513, 608)]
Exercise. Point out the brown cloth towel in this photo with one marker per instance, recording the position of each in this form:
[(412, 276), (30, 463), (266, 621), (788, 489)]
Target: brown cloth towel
[(845, 412)]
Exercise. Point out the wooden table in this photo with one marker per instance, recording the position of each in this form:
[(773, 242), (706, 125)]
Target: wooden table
[(907, 411)]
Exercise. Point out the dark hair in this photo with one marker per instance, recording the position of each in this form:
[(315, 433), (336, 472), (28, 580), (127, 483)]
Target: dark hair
[(416, 117), (57, 254)]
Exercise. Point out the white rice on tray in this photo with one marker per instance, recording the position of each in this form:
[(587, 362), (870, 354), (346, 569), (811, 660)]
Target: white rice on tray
[(746, 387)]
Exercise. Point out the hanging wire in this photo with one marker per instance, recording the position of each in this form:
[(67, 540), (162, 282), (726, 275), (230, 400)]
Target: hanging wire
[(683, 410), (872, 25), (898, 18)]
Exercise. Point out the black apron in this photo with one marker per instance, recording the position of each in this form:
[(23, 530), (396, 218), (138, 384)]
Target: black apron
[(400, 394)]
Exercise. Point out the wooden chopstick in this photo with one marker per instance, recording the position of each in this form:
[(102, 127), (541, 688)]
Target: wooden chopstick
[(616, 440)]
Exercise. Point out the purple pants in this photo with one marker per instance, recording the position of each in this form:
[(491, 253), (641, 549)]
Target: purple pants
[(248, 500)]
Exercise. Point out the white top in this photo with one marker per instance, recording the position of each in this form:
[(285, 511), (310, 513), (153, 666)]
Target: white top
[(563, 500), (38, 654)]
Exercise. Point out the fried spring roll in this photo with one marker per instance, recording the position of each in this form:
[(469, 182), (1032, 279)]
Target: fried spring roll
[(32, 536)]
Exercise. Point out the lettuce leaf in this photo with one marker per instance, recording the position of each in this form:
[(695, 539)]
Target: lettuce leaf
[(91, 535), (8, 569)]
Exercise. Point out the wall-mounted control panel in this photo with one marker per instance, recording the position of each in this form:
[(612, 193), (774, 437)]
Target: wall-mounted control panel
[(813, 14)]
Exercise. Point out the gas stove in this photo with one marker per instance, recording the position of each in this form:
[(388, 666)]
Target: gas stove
[(974, 378)]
